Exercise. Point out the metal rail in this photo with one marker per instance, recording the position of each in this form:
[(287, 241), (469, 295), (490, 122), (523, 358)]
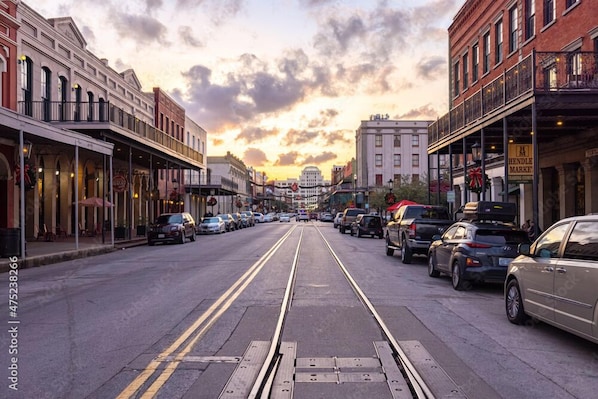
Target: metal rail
[(263, 384)]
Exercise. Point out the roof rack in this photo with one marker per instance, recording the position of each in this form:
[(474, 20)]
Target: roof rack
[(490, 211)]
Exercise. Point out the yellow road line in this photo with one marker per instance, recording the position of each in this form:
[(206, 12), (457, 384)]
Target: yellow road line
[(228, 297)]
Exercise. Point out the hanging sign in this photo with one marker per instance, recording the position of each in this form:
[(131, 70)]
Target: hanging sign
[(521, 163)]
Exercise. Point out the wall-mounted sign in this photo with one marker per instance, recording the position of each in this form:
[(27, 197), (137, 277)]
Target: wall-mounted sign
[(120, 184), (521, 163)]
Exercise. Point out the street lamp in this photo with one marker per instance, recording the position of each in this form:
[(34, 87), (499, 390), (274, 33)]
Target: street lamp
[(476, 152), (355, 190), (390, 185)]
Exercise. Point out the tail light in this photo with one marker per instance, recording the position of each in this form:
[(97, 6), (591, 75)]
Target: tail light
[(472, 262), (477, 245), (412, 228)]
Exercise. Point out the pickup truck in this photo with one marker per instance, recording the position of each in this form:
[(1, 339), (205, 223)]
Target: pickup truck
[(411, 228)]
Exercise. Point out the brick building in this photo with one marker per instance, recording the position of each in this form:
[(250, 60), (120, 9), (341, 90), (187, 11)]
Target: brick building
[(523, 87)]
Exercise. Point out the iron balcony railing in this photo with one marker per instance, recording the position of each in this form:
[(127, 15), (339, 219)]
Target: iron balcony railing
[(544, 72), (103, 112)]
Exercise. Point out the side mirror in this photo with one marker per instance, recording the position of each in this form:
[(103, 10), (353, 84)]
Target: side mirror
[(523, 249), (436, 237)]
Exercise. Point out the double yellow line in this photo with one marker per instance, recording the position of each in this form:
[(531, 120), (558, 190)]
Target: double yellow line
[(205, 321)]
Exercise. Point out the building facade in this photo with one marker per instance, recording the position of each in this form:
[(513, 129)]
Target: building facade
[(389, 151), (63, 87), (524, 90)]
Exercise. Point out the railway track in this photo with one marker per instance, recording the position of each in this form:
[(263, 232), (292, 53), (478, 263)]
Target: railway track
[(272, 369)]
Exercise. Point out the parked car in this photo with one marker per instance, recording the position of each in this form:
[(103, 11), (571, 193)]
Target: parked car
[(171, 227), (228, 220), (367, 225), (259, 217), (245, 222), (555, 278), (337, 220), (250, 217), (212, 225), (302, 215), (348, 217), (327, 217), (269, 217), (284, 217), (238, 222), (477, 249)]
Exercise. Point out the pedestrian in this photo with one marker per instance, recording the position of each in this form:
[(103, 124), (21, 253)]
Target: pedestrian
[(531, 231), (525, 226)]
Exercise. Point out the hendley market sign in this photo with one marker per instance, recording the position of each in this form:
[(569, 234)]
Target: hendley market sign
[(521, 164)]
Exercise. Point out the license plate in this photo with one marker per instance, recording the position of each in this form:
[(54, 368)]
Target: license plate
[(504, 261), (161, 236)]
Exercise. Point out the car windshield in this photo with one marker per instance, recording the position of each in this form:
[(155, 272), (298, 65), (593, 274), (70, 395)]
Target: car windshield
[(372, 222), (210, 220), (163, 219), (501, 237), (422, 212), (223, 217)]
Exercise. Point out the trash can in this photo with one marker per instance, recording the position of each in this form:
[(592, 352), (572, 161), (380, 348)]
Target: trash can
[(10, 242)]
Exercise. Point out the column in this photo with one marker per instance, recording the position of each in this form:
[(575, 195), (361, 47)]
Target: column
[(590, 166), (567, 181)]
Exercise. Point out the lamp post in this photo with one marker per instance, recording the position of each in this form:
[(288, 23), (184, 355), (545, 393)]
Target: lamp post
[(477, 177), (355, 190), (476, 153)]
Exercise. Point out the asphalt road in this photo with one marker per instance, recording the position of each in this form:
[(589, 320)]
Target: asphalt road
[(89, 328)]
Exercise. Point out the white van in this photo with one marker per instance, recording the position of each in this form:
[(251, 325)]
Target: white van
[(302, 215)]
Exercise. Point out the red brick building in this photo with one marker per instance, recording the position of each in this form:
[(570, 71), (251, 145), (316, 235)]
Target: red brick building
[(523, 75)]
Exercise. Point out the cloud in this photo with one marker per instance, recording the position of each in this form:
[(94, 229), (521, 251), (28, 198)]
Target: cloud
[(319, 159), (141, 28), (431, 68), (255, 157), (337, 36), (287, 159), (151, 5), (423, 112), (186, 36), (325, 118), (298, 137), (254, 134)]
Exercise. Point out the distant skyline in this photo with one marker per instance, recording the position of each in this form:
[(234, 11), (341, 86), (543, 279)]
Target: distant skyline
[(280, 84)]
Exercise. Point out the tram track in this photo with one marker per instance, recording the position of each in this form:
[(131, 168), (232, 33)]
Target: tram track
[(268, 369)]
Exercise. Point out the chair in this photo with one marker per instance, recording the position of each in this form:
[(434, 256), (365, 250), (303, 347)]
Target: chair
[(48, 235), (60, 232), (82, 231)]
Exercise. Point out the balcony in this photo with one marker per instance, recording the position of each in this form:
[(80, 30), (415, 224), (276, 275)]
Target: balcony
[(89, 116), (553, 74)]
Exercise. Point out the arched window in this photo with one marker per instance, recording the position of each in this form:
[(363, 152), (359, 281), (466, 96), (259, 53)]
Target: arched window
[(90, 105), (26, 83), (46, 93), (102, 107), (63, 90), (77, 110)]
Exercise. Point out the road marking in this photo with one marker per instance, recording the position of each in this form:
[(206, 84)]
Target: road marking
[(212, 313)]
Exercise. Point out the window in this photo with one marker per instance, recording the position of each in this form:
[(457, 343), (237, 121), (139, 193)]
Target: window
[(26, 83), (415, 140), (379, 180), (415, 160), (475, 60), (513, 29), (465, 71), (570, 3), (456, 79), (46, 92), (583, 243), (397, 160), (549, 12), (378, 140), (415, 177), (397, 140), (378, 158), (530, 19), (549, 244), (486, 61), (498, 42)]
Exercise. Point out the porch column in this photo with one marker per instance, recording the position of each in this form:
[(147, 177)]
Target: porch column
[(567, 180), (590, 166)]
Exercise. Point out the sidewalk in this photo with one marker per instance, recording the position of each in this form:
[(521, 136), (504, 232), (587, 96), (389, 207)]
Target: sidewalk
[(39, 253)]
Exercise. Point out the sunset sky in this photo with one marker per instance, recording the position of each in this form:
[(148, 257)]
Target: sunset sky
[(280, 84)]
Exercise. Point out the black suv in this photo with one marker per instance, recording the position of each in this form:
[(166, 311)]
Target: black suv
[(476, 249), (172, 227), (367, 225)]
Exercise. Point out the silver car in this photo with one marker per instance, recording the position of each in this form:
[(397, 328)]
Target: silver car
[(555, 279)]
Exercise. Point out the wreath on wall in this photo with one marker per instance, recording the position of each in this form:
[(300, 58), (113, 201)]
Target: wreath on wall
[(473, 180), (29, 177), (390, 198)]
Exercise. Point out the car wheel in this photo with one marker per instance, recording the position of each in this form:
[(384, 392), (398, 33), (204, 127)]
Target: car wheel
[(458, 283), (351, 232), (406, 254), (359, 233), (389, 251), (514, 303), (183, 238), (432, 272), (150, 243), (193, 236), (380, 236), (342, 230)]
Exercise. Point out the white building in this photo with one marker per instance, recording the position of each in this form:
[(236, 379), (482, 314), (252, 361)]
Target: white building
[(389, 149)]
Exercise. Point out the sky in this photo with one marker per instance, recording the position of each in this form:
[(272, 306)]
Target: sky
[(280, 84)]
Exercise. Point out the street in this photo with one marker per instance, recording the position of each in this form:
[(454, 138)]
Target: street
[(109, 326)]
